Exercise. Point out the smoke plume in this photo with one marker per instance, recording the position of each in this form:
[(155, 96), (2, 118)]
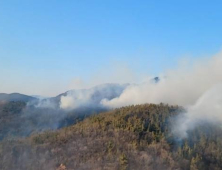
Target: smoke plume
[(207, 109), (90, 97), (182, 86), (196, 86)]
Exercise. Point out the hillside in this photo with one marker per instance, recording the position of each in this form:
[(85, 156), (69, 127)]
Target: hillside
[(134, 137), (15, 97), (10, 118), (17, 119), (22, 115)]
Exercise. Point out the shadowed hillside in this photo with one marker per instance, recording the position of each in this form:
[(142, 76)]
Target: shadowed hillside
[(15, 97), (134, 137), (17, 119)]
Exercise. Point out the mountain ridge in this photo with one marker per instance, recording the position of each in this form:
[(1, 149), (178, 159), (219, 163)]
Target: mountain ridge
[(5, 97)]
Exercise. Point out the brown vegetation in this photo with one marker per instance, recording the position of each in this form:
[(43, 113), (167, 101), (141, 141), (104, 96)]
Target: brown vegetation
[(134, 137)]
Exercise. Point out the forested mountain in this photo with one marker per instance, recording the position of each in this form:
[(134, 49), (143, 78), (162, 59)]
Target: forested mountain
[(133, 137), (22, 115)]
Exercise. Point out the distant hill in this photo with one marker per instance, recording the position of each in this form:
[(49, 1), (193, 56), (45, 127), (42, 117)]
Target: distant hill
[(15, 97)]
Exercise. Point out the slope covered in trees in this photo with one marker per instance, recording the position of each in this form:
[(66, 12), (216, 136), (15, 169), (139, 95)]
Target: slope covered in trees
[(134, 137)]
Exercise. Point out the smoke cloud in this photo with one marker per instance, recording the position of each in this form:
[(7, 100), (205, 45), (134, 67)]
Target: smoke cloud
[(196, 86), (182, 86), (90, 97), (207, 109)]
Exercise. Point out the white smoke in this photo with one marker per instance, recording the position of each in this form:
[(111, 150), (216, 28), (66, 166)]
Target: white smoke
[(75, 99), (45, 103), (182, 86), (90, 97), (208, 109), (195, 86)]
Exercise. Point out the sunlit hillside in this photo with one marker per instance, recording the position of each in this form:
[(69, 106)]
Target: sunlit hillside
[(134, 137)]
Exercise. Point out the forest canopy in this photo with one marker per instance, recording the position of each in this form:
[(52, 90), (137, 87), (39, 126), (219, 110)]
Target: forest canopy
[(133, 137)]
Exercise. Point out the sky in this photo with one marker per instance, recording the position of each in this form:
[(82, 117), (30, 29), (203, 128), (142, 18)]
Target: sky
[(48, 47)]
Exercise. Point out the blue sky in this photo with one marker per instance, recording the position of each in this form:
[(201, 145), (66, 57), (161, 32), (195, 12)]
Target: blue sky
[(44, 45)]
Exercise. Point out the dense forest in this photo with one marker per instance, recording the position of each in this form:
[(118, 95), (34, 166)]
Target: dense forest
[(133, 137)]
